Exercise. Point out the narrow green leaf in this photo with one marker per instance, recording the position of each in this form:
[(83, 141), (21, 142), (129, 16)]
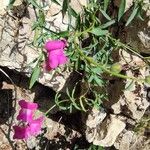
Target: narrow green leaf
[(63, 33), (78, 22), (139, 15), (105, 15), (41, 18), (106, 25), (121, 9), (35, 4), (98, 31), (65, 7), (98, 80), (82, 105), (11, 2), (132, 16), (34, 76), (91, 78), (106, 3), (56, 2), (72, 12)]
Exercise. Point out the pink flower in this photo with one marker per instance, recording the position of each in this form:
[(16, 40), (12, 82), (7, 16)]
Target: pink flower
[(29, 127), (25, 115), (35, 126), (28, 105), (21, 132), (26, 112), (56, 54)]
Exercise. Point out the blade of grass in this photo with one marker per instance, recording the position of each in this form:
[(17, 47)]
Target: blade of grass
[(121, 9), (132, 16)]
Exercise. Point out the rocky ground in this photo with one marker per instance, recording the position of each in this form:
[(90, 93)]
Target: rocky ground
[(121, 123)]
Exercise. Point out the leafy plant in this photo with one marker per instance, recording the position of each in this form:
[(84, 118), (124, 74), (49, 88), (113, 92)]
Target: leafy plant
[(90, 45)]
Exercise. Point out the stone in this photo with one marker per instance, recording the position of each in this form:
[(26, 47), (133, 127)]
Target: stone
[(105, 130), (138, 33), (16, 36), (94, 119), (130, 140), (3, 6), (57, 22), (126, 140), (136, 101)]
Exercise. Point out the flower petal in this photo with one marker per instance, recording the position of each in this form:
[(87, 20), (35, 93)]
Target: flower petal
[(28, 105), (55, 44), (25, 115), (35, 126), (21, 132), (62, 59), (53, 61)]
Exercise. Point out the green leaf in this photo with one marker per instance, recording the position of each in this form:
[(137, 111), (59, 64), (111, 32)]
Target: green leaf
[(91, 78), (11, 2), (106, 3), (121, 9), (140, 15), (63, 33), (72, 12), (34, 76), (132, 16), (41, 18), (65, 7), (98, 80), (105, 15), (35, 4), (98, 31), (56, 2), (106, 25)]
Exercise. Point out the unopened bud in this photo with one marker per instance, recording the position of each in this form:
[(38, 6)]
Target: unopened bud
[(116, 67)]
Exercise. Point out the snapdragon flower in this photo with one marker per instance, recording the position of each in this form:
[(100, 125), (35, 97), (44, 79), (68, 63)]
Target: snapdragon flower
[(28, 126), (56, 56)]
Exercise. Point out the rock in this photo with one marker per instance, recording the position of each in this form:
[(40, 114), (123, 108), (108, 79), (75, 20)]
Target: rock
[(17, 2), (130, 140), (107, 136), (106, 131), (125, 141), (94, 119), (3, 6), (133, 102), (16, 36), (140, 142), (138, 33), (132, 99), (57, 22)]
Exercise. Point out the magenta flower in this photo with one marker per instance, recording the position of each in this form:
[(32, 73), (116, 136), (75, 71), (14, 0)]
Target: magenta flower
[(35, 126), (56, 54), (26, 111), (21, 132), (28, 105), (28, 126), (25, 115)]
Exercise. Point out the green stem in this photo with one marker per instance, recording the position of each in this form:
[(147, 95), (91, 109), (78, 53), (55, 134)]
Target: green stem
[(89, 59)]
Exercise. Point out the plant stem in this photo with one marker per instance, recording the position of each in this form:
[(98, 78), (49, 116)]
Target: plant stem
[(91, 61)]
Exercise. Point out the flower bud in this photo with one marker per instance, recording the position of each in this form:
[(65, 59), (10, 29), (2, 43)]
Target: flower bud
[(116, 67)]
